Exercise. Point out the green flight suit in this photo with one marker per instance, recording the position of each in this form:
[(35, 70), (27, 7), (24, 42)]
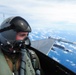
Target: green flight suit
[(5, 70)]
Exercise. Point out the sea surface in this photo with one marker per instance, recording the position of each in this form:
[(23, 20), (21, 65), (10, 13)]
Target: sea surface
[(66, 55)]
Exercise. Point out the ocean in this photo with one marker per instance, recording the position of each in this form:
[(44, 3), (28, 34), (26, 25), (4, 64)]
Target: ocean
[(66, 56)]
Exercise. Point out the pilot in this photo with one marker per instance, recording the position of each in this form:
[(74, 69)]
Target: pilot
[(15, 57)]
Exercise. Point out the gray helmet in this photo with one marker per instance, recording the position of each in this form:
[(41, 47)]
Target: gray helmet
[(10, 27)]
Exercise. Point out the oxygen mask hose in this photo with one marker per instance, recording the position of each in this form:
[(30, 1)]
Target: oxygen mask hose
[(23, 62)]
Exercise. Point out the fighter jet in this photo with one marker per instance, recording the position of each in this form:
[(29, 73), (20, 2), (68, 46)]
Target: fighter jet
[(49, 65)]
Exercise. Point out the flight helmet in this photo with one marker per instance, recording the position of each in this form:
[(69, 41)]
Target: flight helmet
[(10, 27)]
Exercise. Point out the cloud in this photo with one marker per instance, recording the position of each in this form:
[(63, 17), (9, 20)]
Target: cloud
[(42, 12)]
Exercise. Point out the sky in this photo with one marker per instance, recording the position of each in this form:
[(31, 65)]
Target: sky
[(57, 14)]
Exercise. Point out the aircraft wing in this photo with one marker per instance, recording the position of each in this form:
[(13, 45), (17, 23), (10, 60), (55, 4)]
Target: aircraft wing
[(43, 45)]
